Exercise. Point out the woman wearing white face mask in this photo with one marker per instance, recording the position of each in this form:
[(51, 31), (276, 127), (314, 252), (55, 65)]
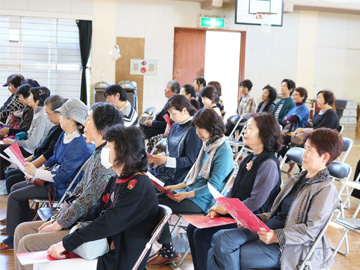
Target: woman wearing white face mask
[(127, 210), (96, 177)]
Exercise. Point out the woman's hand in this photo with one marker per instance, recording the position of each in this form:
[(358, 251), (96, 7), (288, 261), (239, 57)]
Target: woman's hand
[(268, 237), (8, 141), (30, 168), (148, 123), (50, 227), (175, 187), (240, 225), (299, 130), (4, 132), (212, 214), (179, 196), (217, 210), (57, 251), (44, 225), (159, 159)]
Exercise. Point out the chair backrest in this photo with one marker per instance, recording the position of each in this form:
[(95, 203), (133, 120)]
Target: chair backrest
[(164, 215), (341, 129), (235, 121), (348, 143), (295, 154), (147, 114), (160, 146), (341, 171)]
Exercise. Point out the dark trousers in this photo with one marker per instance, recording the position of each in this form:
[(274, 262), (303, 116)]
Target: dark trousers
[(200, 243), (18, 209), (13, 177), (185, 206)]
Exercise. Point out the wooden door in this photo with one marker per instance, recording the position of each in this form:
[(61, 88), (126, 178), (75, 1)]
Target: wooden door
[(189, 55)]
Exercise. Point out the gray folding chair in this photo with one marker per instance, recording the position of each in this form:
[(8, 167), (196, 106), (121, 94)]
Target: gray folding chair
[(294, 154), (352, 223), (235, 121), (164, 215), (148, 114), (347, 148), (180, 216), (47, 212), (342, 172)]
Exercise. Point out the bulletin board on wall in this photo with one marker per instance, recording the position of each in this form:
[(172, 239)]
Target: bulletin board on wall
[(130, 48)]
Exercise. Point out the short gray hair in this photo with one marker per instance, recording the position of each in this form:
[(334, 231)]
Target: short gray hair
[(174, 86)]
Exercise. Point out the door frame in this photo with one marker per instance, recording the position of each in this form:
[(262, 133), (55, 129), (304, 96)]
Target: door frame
[(242, 49)]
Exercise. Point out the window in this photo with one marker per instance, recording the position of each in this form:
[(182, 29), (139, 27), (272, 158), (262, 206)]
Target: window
[(43, 49)]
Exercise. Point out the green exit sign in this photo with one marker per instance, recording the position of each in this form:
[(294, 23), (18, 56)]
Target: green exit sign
[(212, 22)]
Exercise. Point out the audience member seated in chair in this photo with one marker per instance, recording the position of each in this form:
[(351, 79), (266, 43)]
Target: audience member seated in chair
[(257, 182), (189, 92), (26, 115), (268, 97), (117, 96), (283, 106), (220, 103), (46, 149), (183, 145), (12, 104), (39, 235), (70, 152), (296, 118), (213, 165), (325, 117), (127, 210), (246, 105), (199, 84), (40, 125), (157, 126), (300, 211), (210, 97)]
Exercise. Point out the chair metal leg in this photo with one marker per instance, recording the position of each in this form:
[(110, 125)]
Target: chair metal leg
[(337, 249)]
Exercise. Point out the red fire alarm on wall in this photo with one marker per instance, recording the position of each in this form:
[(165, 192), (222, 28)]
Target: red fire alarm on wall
[(143, 67)]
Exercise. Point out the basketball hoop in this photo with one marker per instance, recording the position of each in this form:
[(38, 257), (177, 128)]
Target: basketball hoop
[(265, 20)]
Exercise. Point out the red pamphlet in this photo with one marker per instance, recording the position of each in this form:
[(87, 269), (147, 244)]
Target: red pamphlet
[(167, 119), (17, 152), (39, 257), (202, 222), (158, 184), (239, 211)]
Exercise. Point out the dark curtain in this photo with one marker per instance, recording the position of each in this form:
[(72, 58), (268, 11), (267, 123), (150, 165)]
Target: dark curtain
[(85, 34)]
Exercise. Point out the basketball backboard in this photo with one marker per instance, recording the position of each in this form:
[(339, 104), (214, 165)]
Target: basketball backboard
[(259, 12)]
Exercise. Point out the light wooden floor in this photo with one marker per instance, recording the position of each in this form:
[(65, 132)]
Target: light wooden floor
[(349, 262)]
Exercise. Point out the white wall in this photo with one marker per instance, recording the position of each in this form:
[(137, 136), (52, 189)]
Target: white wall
[(318, 50)]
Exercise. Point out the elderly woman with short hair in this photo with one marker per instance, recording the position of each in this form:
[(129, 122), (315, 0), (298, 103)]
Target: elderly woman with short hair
[(298, 214)]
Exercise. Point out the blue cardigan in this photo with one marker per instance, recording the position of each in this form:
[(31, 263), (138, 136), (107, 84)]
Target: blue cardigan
[(302, 112), (221, 166), (70, 157)]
